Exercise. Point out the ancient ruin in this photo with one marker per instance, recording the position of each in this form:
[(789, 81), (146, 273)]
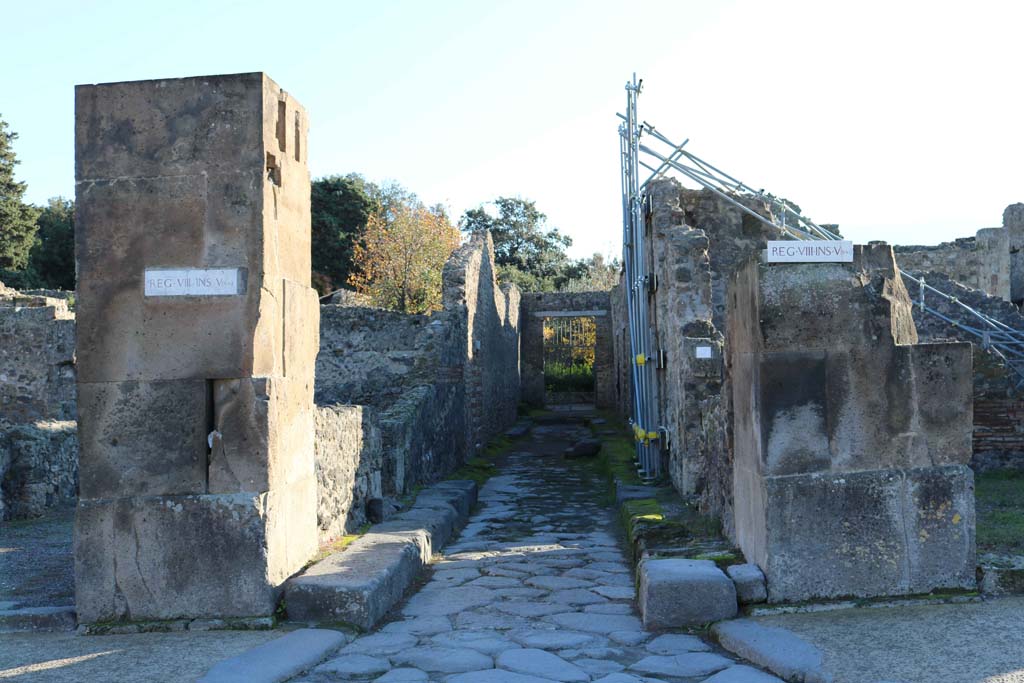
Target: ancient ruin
[(240, 453)]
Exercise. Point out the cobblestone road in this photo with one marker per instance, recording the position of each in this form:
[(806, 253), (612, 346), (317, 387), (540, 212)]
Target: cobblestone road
[(537, 588)]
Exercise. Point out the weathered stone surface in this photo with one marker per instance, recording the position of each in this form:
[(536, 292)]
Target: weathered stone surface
[(675, 644), (678, 592), (37, 619), (277, 660), (742, 674), (540, 663), (348, 460), (38, 467), (403, 675), (143, 438), (226, 558), (585, 448), (980, 262), (596, 623), (494, 676), (776, 649), (443, 659), (690, 664), (354, 665), (837, 442), (750, 583), (199, 173)]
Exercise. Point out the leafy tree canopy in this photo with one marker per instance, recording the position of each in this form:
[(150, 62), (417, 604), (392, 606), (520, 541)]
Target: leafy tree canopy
[(528, 252), (341, 206), (52, 259), (17, 219)]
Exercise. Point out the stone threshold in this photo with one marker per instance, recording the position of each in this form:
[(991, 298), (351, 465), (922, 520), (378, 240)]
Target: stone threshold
[(59, 618), (358, 586)]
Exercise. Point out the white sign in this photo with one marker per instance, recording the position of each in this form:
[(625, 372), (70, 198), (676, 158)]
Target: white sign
[(703, 352), (193, 282), (810, 251)]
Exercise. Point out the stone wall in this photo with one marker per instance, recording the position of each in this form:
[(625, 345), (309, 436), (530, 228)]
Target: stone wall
[(403, 399), (38, 437), (535, 306), (998, 406), (851, 439), (981, 262)]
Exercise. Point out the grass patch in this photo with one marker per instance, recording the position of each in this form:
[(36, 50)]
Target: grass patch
[(337, 545), (999, 504), (568, 376), (482, 467)]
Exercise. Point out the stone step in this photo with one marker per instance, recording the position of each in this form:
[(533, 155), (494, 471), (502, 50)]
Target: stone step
[(60, 618), (361, 583), (278, 659)]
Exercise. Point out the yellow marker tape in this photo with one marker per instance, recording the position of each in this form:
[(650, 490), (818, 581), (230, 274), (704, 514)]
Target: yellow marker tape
[(652, 435), (641, 359), (956, 518)]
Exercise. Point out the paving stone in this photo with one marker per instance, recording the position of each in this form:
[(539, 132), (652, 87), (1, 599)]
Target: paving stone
[(443, 659), (488, 642), (610, 608), (615, 592), (557, 582), (441, 602), (611, 567), (501, 570), (529, 609), (750, 583), (598, 667), (380, 644), (676, 644), (576, 596), (403, 676), (691, 664), (494, 676), (354, 665), (526, 593), (495, 582), (454, 577), (742, 674), (498, 621), (626, 678), (278, 659), (596, 623), (629, 637), (541, 663), (551, 640), (776, 649), (420, 626)]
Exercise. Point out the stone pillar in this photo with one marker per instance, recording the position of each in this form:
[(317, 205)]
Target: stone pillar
[(197, 337), (1013, 221), (851, 439)]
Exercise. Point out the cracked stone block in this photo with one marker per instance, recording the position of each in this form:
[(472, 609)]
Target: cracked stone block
[(679, 592)]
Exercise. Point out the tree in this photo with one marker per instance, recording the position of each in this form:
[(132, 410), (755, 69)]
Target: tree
[(52, 259), (595, 275), (17, 219), (403, 251), (340, 207), (527, 251)]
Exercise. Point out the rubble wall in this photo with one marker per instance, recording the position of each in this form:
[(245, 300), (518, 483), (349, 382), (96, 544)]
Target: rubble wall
[(598, 305), (403, 400), (998, 440), (981, 262), (38, 437)]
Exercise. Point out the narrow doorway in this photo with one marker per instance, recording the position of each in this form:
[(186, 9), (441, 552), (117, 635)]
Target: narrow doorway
[(569, 344)]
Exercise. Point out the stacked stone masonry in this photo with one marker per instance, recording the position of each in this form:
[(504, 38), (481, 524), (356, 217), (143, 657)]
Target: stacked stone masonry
[(198, 490), (38, 436), (403, 400), (981, 262)]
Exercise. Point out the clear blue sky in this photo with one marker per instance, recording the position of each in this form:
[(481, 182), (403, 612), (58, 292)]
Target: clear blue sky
[(897, 120)]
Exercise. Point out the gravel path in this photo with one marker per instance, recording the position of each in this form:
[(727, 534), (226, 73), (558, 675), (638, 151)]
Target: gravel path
[(537, 588)]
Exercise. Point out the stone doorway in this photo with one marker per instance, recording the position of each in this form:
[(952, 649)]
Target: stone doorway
[(569, 353)]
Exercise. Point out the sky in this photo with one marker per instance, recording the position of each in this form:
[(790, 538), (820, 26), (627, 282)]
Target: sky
[(898, 120)]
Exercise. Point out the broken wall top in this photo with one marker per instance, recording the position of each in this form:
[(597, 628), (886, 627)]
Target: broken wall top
[(191, 173)]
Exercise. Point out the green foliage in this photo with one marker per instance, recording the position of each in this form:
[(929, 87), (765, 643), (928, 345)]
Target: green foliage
[(568, 376), (340, 206), (527, 251), (592, 275), (999, 501), (17, 219), (52, 260)]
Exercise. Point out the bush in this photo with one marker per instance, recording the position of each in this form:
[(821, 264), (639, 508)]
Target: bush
[(568, 376)]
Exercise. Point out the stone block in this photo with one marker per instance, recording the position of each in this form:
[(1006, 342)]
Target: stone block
[(279, 659), (750, 583), (777, 649), (359, 585), (143, 438), (919, 536), (264, 433), (678, 592), (172, 557)]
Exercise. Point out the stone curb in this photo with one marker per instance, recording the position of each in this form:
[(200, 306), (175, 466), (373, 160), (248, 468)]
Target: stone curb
[(361, 583), (780, 651), (278, 659), (37, 619)]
